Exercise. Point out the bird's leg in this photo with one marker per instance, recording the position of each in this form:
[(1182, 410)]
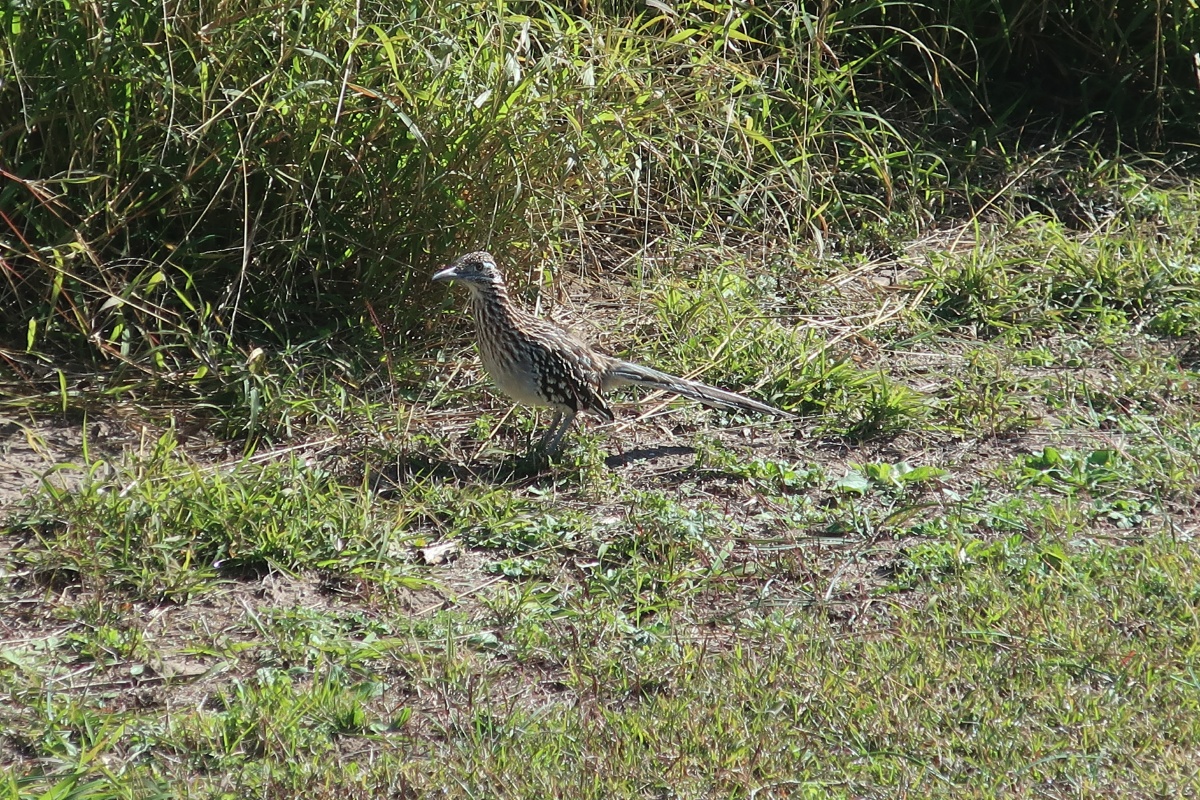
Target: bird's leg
[(541, 443), (564, 426), (552, 441)]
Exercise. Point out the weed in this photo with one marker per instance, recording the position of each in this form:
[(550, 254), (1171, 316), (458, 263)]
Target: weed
[(890, 478), (1095, 472), (884, 409)]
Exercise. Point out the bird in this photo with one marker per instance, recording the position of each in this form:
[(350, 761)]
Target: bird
[(538, 363)]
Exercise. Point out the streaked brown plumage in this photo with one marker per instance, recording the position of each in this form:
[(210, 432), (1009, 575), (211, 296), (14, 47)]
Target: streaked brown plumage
[(539, 364)]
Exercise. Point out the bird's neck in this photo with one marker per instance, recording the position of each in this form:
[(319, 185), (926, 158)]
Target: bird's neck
[(493, 309)]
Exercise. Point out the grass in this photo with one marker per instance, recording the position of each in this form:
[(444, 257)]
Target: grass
[(267, 534), (969, 572), (282, 176)]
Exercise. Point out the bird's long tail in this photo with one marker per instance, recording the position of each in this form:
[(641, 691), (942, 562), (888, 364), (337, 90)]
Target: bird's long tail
[(626, 373)]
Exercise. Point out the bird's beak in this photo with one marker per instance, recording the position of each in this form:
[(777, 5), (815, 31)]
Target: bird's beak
[(447, 274)]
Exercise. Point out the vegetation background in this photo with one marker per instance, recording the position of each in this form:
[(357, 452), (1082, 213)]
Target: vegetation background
[(958, 237)]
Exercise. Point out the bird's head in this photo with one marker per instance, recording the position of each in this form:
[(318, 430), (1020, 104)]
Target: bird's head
[(477, 270)]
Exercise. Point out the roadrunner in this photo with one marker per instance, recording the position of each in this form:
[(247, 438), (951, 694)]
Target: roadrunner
[(540, 364)]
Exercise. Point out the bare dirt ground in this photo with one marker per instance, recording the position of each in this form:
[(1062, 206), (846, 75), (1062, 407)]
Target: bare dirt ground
[(33, 450)]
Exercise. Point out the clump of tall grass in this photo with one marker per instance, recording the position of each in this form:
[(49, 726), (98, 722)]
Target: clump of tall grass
[(185, 182), (261, 170)]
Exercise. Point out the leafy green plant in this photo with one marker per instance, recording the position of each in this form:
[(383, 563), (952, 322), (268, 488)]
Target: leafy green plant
[(1096, 472), (272, 715), (1014, 556), (779, 477), (521, 528), (893, 478), (1181, 321)]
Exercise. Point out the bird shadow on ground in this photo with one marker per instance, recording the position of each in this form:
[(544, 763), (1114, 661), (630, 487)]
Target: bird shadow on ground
[(408, 468), (413, 467), (646, 454)]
